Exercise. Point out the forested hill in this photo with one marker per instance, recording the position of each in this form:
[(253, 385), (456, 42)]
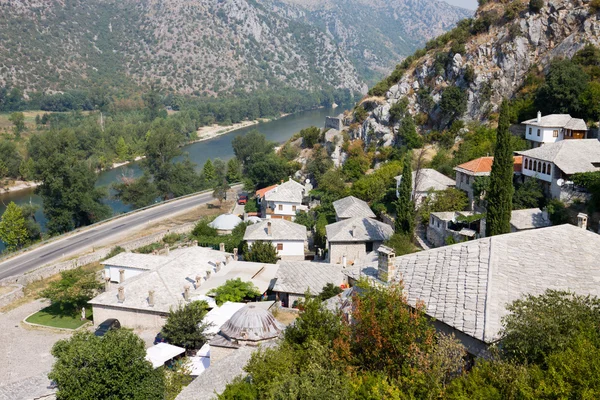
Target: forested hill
[(209, 46), (510, 49)]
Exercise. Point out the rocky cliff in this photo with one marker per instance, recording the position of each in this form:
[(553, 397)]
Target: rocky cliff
[(487, 59)]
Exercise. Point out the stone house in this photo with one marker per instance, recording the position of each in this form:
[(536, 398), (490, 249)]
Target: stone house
[(352, 207), (554, 164), (289, 238), (351, 239), (284, 201), (426, 181), (553, 128)]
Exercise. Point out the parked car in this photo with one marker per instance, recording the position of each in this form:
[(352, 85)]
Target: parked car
[(242, 199), (160, 338), (108, 325)]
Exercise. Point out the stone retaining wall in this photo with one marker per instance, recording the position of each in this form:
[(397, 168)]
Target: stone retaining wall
[(8, 298), (50, 270)]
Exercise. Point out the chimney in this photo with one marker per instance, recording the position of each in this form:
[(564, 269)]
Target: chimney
[(539, 117), (198, 281), (385, 263), (227, 259), (151, 298), (235, 254), (194, 243), (582, 220), (218, 266), (269, 230), (167, 248), (344, 261), (121, 294), (208, 275), (222, 247), (186, 292), (107, 284), (353, 230), (121, 275)]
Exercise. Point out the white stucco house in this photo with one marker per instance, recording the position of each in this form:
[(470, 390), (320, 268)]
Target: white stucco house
[(553, 128), (351, 239), (289, 238), (554, 163), (284, 201), (426, 180)]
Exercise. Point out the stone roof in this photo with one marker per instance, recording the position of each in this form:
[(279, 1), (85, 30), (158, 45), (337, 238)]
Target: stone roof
[(180, 269), (136, 260), (530, 218), (289, 191), (225, 222), (281, 229), (351, 207), (558, 121), (468, 285), (298, 276), (251, 323), (571, 156), (429, 179), (482, 166), (358, 230), (261, 192)]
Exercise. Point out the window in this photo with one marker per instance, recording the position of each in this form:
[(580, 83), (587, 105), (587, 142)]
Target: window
[(369, 247), (534, 166), (462, 178), (279, 246), (538, 132), (281, 207), (539, 168), (555, 133), (544, 168), (529, 131), (294, 208)]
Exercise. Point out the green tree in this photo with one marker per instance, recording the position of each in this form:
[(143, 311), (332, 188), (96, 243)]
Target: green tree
[(538, 326), (13, 228), (402, 244), (122, 149), (590, 101), (269, 170), (220, 192), (208, 172), (407, 132), (251, 147), (68, 189), (450, 199), (501, 191), (234, 170), (153, 103), (74, 289), (138, 192), (405, 206), (329, 291), (565, 83), (453, 103), (528, 194), (184, 326), (11, 158), (536, 5), (109, 367), (234, 290), (262, 252), (311, 136), (18, 120), (315, 324), (319, 163)]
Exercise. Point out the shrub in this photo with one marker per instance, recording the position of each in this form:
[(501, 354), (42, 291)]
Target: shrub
[(536, 5), (594, 6), (114, 251), (172, 238), (235, 290), (262, 252)]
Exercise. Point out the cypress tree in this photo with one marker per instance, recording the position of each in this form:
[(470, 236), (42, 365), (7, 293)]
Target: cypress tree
[(13, 229), (501, 179), (405, 206)]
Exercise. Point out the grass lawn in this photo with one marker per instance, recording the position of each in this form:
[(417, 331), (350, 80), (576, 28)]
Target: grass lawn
[(52, 316)]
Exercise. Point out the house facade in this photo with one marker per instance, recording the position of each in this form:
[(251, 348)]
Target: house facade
[(351, 239), (554, 164), (424, 182), (284, 201), (289, 238), (553, 128)]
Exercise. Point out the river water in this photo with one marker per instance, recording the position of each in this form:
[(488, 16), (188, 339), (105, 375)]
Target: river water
[(277, 131)]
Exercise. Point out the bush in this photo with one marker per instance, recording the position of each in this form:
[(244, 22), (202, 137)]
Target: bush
[(536, 5), (262, 252), (74, 289), (172, 238), (149, 248), (453, 102), (311, 136), (184, 325), (557, 212), (114, 251), (235, 290)]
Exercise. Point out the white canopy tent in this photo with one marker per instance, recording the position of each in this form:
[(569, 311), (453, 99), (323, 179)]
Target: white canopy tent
[(159, 354)]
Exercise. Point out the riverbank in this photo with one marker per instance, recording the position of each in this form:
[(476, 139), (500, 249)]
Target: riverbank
[(16, 186), (212, 131)]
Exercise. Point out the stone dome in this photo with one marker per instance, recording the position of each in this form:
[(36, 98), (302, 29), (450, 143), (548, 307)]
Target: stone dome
[(225, 222), (252, 323)]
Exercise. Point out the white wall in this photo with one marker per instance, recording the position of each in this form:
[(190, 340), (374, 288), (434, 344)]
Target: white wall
[(132, 319), (547, 177), (287, 208), (291, 248), (546, 134), (113, 272)]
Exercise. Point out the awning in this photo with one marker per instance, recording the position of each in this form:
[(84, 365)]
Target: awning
[(159, 354)]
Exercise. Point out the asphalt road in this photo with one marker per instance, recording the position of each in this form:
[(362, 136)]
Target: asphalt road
[(85, 239)]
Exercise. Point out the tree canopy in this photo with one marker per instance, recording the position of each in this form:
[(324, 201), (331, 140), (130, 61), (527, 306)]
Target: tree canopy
[(13, 228), (235, 290), (263, 252), (74, 289), (184, 326)]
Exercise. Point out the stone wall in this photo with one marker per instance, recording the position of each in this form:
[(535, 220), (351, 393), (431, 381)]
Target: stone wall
[(11, 296), (352, 251), (334, 123), (133, 319), (98, 254)]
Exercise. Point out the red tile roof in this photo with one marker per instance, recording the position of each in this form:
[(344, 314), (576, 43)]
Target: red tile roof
[(261, 192), (484, 165)]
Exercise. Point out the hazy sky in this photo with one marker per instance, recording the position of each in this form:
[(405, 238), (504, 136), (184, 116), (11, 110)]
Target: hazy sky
[(470, 4)]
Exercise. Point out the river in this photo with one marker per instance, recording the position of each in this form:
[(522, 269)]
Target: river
[(277, 131)]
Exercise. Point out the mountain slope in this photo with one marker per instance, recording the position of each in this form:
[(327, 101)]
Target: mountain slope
[(487, 59), (206, 46)]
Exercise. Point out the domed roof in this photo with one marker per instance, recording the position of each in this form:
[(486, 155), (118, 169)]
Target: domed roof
[(253, 219), (226, 222), (252, 323)]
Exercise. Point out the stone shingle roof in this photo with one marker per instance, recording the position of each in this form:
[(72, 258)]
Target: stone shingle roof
[(558, 121), (135, 260), (429, 179), (180, 269), (530, 218), (468, 285), (252, 323), (358, 230), (571, 156), (298, 276), (352, 207), (281, 229), (289, 191)]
